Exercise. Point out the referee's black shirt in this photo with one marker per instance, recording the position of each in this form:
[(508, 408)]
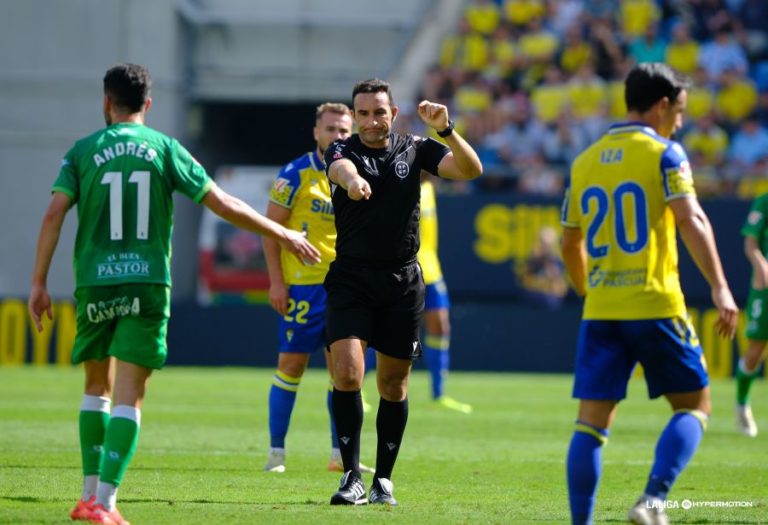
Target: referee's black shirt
[(384, 230)]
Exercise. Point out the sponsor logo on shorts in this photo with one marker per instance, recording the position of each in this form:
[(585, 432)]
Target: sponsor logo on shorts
[(101, 311)]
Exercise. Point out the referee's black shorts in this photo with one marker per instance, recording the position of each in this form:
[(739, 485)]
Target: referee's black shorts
[(380, 305)]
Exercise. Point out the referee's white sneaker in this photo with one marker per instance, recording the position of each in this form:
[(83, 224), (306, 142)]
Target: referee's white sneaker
[(381, 492), (351, 491)]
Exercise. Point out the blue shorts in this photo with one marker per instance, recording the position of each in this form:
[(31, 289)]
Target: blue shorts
[(302, 329), (608, 351), (436, 296)]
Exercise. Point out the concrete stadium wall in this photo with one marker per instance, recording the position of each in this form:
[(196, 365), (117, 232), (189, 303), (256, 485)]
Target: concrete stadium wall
[(53, 56)]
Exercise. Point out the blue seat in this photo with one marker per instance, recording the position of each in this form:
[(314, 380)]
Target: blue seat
[(760, 75)]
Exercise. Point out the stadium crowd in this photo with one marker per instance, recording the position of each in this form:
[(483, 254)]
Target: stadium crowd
[(533, 82)]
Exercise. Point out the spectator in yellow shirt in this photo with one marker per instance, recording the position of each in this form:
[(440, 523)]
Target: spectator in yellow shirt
[(636, 16), (549, 98), (520, 12), (701, 99), (483, 16), (575, 51), (537, 48), (503, 54), (683, 51), (466, 50), (737, 97), (706, 143), (473, 95), (586, 92)]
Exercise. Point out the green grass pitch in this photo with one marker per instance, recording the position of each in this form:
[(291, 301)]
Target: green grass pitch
[(204, 441)]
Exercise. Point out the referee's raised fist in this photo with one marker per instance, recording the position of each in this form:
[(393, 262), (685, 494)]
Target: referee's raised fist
[(434, 115)]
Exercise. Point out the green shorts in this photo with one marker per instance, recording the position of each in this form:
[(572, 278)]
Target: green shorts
[(757, 320), (127, 321)]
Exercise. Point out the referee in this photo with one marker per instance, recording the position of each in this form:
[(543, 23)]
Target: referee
[(375, 288)]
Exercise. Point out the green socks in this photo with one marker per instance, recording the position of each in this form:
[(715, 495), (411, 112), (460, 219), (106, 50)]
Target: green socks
[(120, 443), (744, 380), (94, 416)]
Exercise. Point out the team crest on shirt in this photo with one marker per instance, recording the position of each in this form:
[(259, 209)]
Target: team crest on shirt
[(402, 169), (289, 335), (754, 217)]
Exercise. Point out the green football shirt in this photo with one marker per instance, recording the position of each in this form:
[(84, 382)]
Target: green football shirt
[(122, 179), (757, 223)]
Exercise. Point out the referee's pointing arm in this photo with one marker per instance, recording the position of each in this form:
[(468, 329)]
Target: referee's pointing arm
[(343, 173)]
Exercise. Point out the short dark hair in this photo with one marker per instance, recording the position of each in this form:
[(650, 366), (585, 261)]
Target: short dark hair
[(128, 86), (648, 83), (372, 85)]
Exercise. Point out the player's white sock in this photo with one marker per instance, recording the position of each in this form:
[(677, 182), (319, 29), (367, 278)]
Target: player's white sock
[(106, 495), (89, 486), (743, 367)]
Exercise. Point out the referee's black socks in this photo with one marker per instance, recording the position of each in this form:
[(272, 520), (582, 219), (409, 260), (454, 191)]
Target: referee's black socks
[(348, 416), (390, 426)]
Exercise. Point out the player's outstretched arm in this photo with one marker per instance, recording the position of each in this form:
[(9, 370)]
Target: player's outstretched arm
[(50, 230), (758, 262), (462, 163), (278, 291), (343, 173), (237, 212), (575, 259), (696, 232)]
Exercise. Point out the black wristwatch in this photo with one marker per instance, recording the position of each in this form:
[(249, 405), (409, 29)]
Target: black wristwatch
[(447, 131)]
